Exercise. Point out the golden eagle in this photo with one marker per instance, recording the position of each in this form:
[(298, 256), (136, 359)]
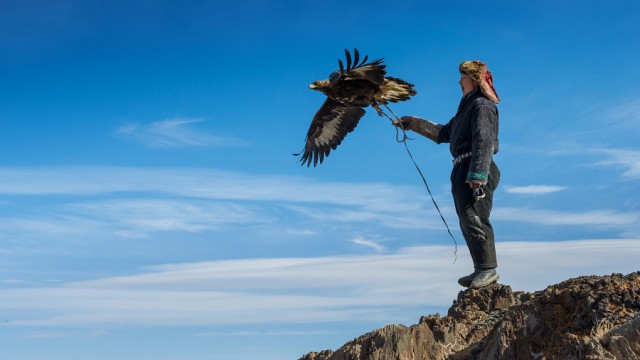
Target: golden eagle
[(349, 90)]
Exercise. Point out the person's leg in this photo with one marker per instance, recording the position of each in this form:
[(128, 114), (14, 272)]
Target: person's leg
[(458, 177), (474, 222)]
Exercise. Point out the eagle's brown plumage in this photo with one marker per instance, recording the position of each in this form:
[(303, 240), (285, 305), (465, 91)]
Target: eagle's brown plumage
[(349, 90)]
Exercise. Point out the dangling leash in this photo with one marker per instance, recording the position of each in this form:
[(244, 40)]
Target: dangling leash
[(404, 141)]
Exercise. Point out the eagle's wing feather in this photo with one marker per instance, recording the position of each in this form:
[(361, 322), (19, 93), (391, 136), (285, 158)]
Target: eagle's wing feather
[(374, 71), (356, 57), (333, 121)]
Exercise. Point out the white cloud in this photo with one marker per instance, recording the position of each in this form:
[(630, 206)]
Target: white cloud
[(194, 200), (178, 132), (12, 282), (392, 218), (49, 335), (203, 183), (626, 115), (130, 218), (300, 232), (191, 215), (268, 333), (304, 290), (588, 156), (609, 218), (57, 225), (628, 160), (370, 244), (60, 334), (534, 189), (136, 202)]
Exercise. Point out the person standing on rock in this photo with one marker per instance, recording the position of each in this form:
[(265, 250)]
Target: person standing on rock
[(473, 137)]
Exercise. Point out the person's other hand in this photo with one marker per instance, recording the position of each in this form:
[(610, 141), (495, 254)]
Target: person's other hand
[(475, 185)]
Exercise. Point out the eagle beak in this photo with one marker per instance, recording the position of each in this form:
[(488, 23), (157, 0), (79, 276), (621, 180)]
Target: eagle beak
[(313, 86)]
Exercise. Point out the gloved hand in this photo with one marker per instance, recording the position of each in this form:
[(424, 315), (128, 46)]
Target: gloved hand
[(478, 193), (405, 122)]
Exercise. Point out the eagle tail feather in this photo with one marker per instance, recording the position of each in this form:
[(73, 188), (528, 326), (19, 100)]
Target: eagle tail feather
[(394, 90)]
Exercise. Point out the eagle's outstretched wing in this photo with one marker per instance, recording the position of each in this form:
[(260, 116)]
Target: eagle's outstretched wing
[(333, 121)]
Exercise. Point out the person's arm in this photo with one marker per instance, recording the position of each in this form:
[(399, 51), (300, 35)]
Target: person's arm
[(435, 132), (484, 126)]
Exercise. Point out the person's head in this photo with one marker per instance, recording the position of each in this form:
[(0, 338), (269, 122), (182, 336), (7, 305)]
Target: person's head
[(466, 84), (475, 74)]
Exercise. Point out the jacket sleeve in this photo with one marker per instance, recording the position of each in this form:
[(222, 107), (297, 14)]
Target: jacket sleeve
[(436, 132), (444, 136), (484, 129), (426, 128)]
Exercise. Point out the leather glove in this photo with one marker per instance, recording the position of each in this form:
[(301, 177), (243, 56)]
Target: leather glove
[(405, 122)]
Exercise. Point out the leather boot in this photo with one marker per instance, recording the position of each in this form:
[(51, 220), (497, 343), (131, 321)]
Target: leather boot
[(484, 278), (466, 280)]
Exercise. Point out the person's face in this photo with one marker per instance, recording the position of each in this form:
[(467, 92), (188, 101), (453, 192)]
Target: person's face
[(466, 84)]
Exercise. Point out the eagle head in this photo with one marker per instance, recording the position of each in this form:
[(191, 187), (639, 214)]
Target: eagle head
[(320, 85)]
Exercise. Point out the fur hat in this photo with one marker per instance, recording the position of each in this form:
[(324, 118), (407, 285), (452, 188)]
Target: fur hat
[(478, 72)]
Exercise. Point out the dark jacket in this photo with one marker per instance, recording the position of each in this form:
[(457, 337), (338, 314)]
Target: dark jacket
[(473, 129)]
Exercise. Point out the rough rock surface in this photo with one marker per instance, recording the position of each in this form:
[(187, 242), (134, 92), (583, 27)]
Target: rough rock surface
[(591, 317)]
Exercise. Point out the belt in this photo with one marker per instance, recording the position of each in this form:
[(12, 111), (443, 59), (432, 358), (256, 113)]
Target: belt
[(459, 158)]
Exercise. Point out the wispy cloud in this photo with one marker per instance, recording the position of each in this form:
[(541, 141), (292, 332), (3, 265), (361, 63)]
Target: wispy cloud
[(268, 333), (178, 132), (203, 183), (300, 232), (60, 334), (392, 218), (369, 243), (626, 115), (303, 290), (553, 217), (628, 160), (12, 282), (137, 202), (227, 195), (130, 218), (534, 189), (191, 215)]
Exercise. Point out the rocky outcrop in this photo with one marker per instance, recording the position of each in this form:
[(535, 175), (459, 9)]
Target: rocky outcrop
[(592, 317)]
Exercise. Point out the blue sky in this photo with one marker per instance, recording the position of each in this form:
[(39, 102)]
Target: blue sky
[(151, 208)]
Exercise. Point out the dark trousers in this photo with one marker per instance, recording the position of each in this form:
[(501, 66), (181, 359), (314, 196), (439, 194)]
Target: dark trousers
[(474, 215)]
